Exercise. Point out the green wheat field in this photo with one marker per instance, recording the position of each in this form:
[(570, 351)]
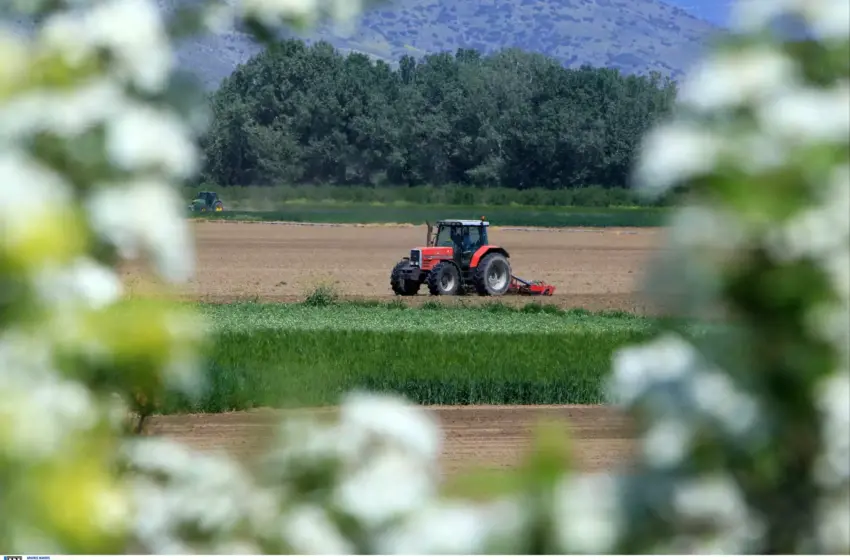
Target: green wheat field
[(280, 355)]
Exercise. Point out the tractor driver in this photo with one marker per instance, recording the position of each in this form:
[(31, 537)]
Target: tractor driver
[(461, 238)]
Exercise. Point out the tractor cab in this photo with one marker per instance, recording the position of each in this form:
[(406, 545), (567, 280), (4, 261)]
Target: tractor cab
[(464, 237), (205, 201)]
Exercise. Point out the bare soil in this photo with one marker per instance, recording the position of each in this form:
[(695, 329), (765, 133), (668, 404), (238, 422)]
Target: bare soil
[(475, 436), (597, 269)]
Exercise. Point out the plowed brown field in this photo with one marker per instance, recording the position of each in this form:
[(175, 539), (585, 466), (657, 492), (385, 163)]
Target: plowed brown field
[(592, 268), (475, 436)]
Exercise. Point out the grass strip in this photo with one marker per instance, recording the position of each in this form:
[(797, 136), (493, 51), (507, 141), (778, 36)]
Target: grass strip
[(281, 355), (500, 216)]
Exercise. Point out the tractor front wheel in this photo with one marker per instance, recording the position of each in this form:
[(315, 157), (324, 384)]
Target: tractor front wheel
[(492, 276), (402, 286), (444, 280)]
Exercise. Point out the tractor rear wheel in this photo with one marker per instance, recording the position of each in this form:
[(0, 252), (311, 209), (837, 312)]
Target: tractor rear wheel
[(402, 286), (444, 280), (492, 276)]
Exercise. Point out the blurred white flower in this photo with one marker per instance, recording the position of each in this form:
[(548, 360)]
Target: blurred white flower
[(454, 527), (716, 499), (271, 12), (305, 443), (13, 57), (388, 486), (833, 523), (713, 232), (64, 113), (134, 33), (179, 488), (141, 138), (27, 191), (715, 396), (636, 368), (85, 281), (834, 403), (729, 79), (183, 370), (587, 513), (145, 215), (307, 529), (666, 443), (158, 456), (755, 15), (219, 17), (390, 418), (805, 115), (758, 152), (828, 19), (345, 11), (64, 407), (674, 152), (22, 351)]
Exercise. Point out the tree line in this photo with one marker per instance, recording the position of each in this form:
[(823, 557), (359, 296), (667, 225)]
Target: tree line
[(300, 114)]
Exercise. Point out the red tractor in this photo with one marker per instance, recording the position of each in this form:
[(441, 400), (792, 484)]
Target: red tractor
[(459, 259)]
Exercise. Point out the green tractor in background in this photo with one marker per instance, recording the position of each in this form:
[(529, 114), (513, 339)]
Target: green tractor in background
[(206, 201)]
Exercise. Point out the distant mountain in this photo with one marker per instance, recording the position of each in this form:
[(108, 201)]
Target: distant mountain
[(635, 36)]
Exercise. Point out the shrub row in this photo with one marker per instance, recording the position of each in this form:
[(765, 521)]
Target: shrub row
[(498, 216), (273, 197)]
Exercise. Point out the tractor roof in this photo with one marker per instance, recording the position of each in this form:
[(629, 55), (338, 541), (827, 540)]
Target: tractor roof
[(463, 223)]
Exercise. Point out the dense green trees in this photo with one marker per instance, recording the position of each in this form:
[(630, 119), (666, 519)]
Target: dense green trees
[(310, 114)]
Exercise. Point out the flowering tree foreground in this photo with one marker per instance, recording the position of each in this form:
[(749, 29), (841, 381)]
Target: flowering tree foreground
[(745, 434)]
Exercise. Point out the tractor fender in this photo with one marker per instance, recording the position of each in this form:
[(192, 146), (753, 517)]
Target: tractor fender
[(486, 250)]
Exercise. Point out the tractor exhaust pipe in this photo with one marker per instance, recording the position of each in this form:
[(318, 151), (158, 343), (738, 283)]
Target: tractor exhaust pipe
[(428, 235)]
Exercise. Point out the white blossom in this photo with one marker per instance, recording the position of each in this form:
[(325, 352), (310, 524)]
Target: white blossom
[(141, 138), (672, 153), (206, 491), (587, 512), (834, 403), (145, 215), (808, 115), (64, 113), (716, 396), (388, 486), (83, 281), (667, 443), (13, 57), (28, 191), (637, 368), (64, 407), (413, 429), (729, 79), (132, 31), (307, 529), (455, 527), (833, 523), (755, 15), (271, 12), (717, 499), (829, 19)]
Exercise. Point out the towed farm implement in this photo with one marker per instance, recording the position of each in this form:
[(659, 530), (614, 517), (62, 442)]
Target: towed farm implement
[(458, 259)]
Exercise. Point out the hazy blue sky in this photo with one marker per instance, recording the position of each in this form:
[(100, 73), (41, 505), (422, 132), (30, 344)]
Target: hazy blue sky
[(715, 11)]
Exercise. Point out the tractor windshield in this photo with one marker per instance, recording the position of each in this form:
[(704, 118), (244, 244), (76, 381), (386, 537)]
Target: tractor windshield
[(445, 234), (465, 237)]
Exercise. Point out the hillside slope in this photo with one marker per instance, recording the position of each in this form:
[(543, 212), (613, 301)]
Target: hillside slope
[(631, 35)]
